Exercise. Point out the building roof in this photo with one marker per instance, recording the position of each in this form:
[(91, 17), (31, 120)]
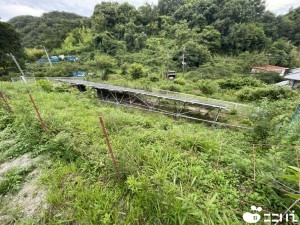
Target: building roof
[(297, 70), (293, 76), (270, 68)]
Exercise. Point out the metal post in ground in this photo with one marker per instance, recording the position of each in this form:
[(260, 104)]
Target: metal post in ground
[(38, 113), (254, 163), (23, 77), (5, 101), (48, 57), (109, 147)]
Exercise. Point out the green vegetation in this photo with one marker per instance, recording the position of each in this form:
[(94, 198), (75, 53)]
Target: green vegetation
[(9, 42), (12, 180), (48, 30), (172, 171)]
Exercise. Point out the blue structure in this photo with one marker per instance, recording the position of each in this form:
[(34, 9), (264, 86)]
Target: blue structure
[(70, 58), (54, 59), (78, 74)]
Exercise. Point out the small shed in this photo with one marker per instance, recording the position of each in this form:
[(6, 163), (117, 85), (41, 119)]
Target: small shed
[(170, 75), (269, 68), (294, 78)]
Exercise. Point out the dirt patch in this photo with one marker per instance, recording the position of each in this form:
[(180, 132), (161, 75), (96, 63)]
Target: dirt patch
[(23, 161), (31, 198)]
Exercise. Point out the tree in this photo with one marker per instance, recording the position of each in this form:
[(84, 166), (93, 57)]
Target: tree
[(107, 44), (269, 21), (104, 63), (279, 53), (49, 30), (195, 54), (247, 37), (168, 7), (140, 41), (33, 54), (136, 71), (78, 40), (211, 38), (9, 43), (288, 26), (182, 32)]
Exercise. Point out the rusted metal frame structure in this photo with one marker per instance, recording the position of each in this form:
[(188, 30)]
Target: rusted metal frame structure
[(144, 99), (125, 98)]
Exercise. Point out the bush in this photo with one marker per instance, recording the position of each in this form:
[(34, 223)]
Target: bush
[(154, 79), (180, 81), (45, 85), (271, 93), (136, 71), (238, 83), (124, 68), (208, 87), (172, 87), (269, 78)]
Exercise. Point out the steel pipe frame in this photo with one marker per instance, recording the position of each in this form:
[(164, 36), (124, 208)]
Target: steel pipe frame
[(152, 107)]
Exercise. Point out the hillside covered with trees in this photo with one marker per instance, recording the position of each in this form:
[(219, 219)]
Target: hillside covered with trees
[(207, 27)]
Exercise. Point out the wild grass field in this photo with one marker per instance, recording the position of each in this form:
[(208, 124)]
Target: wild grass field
[(172, 171)]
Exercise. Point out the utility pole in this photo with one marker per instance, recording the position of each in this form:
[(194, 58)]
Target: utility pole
[(183, 60), (48, 57), (23, 77), (167, 65)]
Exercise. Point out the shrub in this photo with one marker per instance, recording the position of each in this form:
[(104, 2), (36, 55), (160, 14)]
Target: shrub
[(208, 87), (154, 79), (136, 71), (180, 81), (172, 87), (124, 68), (45, 85), (271, 93), (238, 83), (269, 78)]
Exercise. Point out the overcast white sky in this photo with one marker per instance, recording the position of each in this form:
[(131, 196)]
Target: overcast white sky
[(12, 8)]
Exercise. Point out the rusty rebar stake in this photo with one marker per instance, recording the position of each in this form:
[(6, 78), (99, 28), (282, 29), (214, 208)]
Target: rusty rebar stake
[(5, 101), (109, 147), (38, 113)]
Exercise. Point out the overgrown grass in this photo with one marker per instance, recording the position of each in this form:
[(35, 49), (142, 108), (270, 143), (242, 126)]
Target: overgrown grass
[(172, 171)]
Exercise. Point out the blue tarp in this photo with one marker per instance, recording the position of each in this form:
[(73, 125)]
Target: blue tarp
[(70, 58), (78, 74), (54, 59)]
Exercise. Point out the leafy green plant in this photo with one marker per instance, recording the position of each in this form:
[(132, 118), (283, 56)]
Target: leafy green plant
[(271, 93), (180, 81), (13, 179), (208, 87), (238, 83), (136, 71), (293, 176)]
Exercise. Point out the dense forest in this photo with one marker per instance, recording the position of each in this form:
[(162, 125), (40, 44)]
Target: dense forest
[(172, 171), (204, 28)]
